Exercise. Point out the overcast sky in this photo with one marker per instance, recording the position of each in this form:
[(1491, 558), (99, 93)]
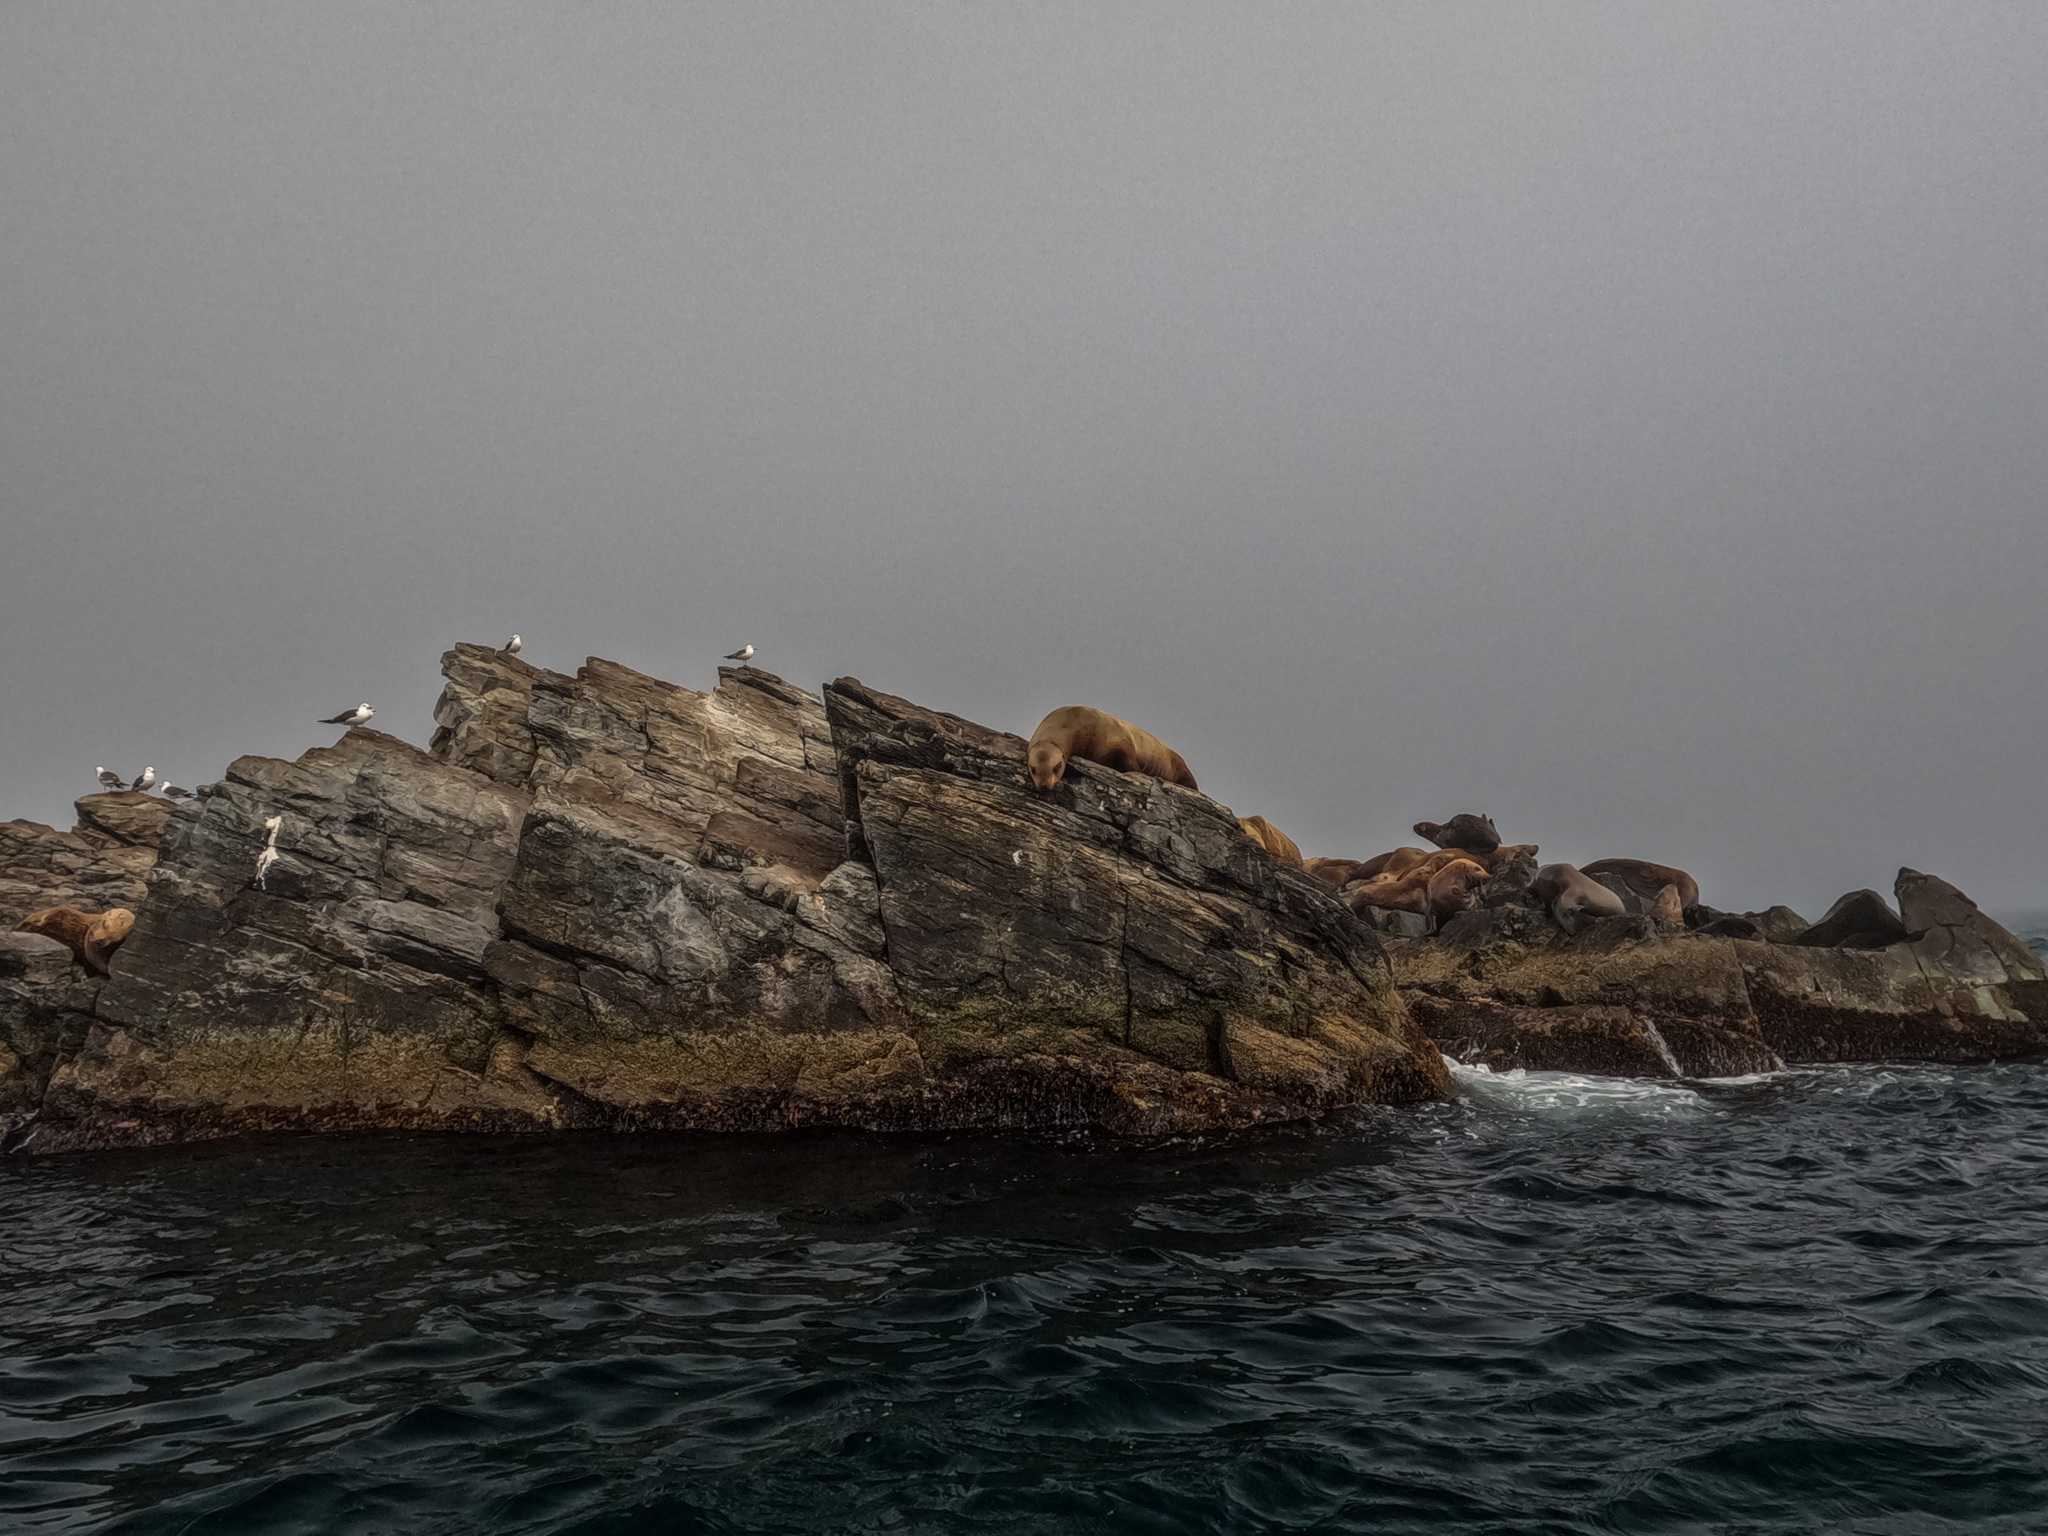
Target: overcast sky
[(1627, 420)]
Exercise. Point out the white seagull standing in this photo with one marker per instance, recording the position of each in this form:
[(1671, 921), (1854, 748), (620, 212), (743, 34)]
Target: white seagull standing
[(511, 647), (111, 780), (744, 653), (148, 778), (350, 717)]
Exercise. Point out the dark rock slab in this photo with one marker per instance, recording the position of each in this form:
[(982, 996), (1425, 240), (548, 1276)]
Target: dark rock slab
[(122, 819), (1859, 920)]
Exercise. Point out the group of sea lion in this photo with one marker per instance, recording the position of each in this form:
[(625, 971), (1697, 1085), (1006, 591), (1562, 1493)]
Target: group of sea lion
[(1468, 854)]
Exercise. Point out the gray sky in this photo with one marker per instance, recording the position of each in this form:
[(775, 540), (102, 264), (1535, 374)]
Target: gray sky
[(1627, 420)]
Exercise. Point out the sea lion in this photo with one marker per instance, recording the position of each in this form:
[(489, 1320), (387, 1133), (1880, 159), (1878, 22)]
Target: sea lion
[(92, 937), (1570, 892), (1436, 889), (1272, 839), (1395, 861), (1474, 834), (1667, 908), (1455, 888), (1396, 893), (1335, 873), (1075, 730), (1647, 880)]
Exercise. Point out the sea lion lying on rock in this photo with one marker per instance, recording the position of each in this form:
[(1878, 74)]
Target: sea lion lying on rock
[(1647, 880), (1474, 834), (1272, 839), (1076, 730), (1335, 873), (1439, 890), (92, 936), (1395, 861), (1570, 892)]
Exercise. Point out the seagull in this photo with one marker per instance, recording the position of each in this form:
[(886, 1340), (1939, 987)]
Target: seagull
[(148, 778), (174, 794), (111, 780), (350, 717), (511, 647), (744, 653)]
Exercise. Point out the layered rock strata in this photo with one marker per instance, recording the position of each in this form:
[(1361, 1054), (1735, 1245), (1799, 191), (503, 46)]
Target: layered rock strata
[(606, 901)]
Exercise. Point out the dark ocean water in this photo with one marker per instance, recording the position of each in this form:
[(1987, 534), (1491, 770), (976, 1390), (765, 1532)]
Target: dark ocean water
[(1814, 1302)]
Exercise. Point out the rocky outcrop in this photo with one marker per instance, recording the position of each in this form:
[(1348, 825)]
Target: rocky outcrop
[(607, 901), (1124, 929), (603, 900), (1504, 987), (102, 862)]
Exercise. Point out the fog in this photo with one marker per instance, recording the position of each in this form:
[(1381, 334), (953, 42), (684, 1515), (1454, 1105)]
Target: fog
[(1629, 421)]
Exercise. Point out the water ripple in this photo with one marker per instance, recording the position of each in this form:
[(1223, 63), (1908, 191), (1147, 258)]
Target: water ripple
[(1814, 1301)]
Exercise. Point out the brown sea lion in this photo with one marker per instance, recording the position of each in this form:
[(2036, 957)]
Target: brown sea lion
[(1272, 839), (1395, 861), (1075, 730), (1647, 880), (1570, 892), (1455, 888), (1444, 858), (1335, 873), (91, 936), (1439, 889), (1474, 834)]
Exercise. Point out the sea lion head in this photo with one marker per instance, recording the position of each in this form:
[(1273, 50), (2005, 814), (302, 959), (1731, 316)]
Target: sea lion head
[(1048, 764)]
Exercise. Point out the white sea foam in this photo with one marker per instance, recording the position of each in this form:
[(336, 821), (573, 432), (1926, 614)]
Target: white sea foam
[(1523, 1090)]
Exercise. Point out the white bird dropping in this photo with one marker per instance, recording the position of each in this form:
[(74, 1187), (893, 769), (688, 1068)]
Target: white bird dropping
[(269, 855)]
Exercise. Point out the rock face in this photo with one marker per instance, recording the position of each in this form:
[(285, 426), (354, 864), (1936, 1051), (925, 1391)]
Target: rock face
[(100, 863), (608, 901), (1505, 988)]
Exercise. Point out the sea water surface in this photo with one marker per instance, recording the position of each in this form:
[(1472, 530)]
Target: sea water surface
[(1813, 1302)]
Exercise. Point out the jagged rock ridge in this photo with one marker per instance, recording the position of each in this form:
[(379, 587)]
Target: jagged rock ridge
[(608, 901)]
